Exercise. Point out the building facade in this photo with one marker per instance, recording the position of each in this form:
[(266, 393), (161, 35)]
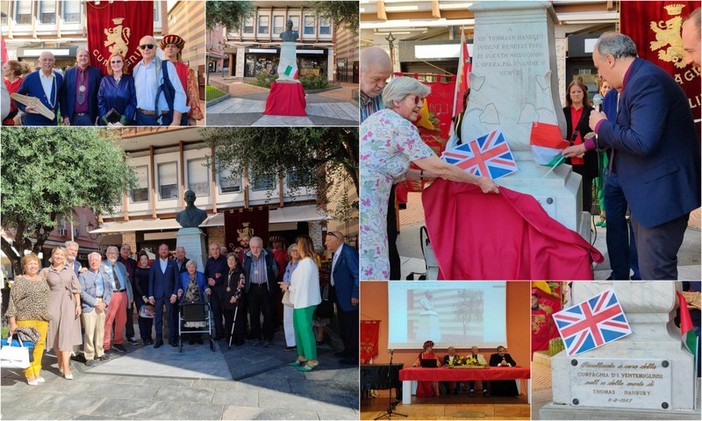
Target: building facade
[(256, 46), (169, 162)]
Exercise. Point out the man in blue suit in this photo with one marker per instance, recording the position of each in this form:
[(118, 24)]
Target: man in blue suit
[(44, 84), (656, 153), (79, 91), (344, 282), (163, 281)]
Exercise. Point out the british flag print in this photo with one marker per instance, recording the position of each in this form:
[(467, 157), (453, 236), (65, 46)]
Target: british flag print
[(488, 156), (592, 323)]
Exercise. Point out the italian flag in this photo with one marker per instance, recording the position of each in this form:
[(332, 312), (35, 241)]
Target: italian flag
[(687, 330), (546, 144)]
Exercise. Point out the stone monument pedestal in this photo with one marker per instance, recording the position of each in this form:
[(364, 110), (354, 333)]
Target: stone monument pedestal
[(646, 375), (193, 239), (286, 98), (512, 86)]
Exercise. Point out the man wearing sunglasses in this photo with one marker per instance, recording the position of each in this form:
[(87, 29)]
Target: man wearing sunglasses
[(160, 95), (79, 90)]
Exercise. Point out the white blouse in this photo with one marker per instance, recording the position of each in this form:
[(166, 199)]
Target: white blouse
[(304, 285)]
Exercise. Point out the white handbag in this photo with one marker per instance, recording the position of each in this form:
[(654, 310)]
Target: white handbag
[(14, 356)]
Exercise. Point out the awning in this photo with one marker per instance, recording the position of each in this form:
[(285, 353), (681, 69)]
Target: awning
[(212, 54), (276, 216)]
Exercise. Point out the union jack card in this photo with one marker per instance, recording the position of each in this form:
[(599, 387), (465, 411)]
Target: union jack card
[(488, 156), (592, 323)]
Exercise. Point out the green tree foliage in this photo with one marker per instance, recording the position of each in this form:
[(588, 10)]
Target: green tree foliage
[(342, 13), (45, 173), (319, 155), (229, 14)]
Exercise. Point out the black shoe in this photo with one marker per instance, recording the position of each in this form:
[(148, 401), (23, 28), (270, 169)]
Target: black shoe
[(132, 341), (119, 348), (174, 344), (471, 393), (158, 344), (104, 357), (290, 348), (486, 393), (147, 341), (198, 340), (90, 363)]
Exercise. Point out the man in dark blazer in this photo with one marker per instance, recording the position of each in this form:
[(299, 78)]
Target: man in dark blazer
[(656, 153), (163, 279), (344, 282), (503, 387), (79, 91), (44, 84)]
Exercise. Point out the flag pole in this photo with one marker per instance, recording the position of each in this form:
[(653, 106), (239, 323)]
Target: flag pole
[(554, 166)]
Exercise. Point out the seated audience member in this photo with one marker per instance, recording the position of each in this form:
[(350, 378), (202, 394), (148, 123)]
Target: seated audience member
[(427, 389), (476, 358), (451, 359), (191, 288), (503, 387)]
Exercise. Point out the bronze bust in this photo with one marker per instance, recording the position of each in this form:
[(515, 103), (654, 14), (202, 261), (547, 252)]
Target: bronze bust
[(191, 216)]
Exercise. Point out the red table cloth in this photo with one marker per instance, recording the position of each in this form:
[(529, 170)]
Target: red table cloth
[(461, 374), (286, 99)]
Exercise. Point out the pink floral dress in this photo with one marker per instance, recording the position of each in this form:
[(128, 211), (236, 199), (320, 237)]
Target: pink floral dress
[(389, 143)]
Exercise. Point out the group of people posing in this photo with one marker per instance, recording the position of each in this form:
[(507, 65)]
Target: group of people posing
[(496, 387), (104, 296), (155, 92)]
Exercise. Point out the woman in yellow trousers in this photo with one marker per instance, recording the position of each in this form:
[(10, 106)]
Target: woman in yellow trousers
[(29, 307)]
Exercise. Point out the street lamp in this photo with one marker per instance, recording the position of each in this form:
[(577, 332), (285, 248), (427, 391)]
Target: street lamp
[(390, 38)]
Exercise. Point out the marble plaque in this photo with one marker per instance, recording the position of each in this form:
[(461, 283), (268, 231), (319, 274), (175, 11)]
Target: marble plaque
[(621, 383)]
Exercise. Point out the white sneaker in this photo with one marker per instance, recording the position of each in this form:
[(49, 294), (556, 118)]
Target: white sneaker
[(33, 382)]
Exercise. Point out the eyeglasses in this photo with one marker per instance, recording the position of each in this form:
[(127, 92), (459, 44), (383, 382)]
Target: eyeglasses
[(147, 46), (417, 99)]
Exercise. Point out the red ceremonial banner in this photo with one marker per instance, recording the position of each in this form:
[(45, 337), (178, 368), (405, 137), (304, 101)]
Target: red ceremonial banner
[(543, 329), (370, 331), (117, 26), (252, 222), (656, 28)]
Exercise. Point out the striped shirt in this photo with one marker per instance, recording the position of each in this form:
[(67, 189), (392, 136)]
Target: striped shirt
[(370, 105)]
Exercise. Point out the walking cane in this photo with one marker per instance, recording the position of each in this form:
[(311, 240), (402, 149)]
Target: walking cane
[(231, 334)]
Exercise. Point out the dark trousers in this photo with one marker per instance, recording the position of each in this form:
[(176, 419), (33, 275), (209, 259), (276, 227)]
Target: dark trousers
[(82, 120), (145, 324), (146, 120), (587, 194), (239, 324), (621, 243), (348, 326), (393, 253), (216, 305), (158, 319), (129, 329), (173, 321), (260, 301), (658, 248)]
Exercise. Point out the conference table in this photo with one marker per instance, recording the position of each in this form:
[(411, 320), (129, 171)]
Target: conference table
[(408, 375)]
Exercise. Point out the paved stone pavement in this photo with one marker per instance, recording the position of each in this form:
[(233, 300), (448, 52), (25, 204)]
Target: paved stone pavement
[(247, 103), (246, 382), (412, 218)]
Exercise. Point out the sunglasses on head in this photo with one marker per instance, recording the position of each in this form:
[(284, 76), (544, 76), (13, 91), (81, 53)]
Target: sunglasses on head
[(147, 46)]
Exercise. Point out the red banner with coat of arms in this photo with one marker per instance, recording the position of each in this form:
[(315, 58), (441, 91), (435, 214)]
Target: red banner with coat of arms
[(241, 223), (117, 26), (370, 331), (656, 28)]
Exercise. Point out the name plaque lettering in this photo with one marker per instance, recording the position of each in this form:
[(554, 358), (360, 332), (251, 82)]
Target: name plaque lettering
[(621, 383)]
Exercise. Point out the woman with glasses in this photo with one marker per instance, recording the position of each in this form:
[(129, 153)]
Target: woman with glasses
[(390, 142), (117, 95)]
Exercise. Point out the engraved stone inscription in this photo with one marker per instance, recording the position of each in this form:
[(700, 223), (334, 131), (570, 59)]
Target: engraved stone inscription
[(508, 54), (626, 383)]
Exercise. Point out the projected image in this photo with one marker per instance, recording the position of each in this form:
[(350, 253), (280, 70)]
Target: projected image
[(448, 313), (461, 316)]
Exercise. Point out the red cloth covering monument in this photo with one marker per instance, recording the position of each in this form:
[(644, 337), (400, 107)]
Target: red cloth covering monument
[(501, 236), (286, 98)]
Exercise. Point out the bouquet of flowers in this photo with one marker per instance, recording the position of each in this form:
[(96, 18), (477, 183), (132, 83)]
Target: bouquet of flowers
[(468, 362)]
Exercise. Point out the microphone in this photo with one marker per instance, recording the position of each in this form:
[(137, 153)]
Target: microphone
[(597, 102), (392, 351)]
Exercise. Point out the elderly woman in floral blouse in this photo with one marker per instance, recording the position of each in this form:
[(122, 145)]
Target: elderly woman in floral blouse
[(29, 307), (389, 143)]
